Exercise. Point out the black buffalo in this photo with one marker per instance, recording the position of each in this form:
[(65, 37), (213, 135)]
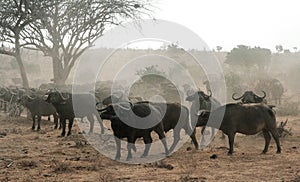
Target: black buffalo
[(202, 101), (250, 97), (38, 107), (63, 102), (121, 129), (248, 119), (175, 116)]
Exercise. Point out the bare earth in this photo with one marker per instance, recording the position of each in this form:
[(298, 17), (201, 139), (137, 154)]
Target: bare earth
[(42, 156)]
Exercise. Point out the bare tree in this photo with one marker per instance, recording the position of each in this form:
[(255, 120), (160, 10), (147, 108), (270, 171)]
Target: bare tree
[(66, 28), (14, 17)]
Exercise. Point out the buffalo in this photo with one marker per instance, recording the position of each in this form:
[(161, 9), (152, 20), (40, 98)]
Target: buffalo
[(121, 129), (38, 107), (63, 102), (250, 97), (276, 91), (175, 116), (202, 101), (248, 119)]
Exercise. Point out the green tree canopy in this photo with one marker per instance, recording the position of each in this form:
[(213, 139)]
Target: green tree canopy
[(248, 57)]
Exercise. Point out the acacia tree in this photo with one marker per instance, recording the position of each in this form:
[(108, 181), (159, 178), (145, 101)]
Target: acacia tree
[(14, 17), (249, 57), (64, 29)]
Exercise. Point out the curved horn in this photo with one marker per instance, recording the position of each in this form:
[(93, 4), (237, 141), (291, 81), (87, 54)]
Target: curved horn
[(124, 107), (62, 97), (209, 91), (262, 97), (236, 98), (104, 109), (200, 112)]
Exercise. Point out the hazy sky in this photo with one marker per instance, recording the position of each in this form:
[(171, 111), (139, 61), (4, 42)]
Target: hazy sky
[(228, 23)]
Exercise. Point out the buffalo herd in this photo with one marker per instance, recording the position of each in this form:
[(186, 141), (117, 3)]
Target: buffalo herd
[(134, 118)]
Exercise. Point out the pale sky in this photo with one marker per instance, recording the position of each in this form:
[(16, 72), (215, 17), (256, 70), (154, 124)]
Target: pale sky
[(228, 23)]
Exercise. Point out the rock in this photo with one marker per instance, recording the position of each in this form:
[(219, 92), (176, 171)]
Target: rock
[(214, 156)]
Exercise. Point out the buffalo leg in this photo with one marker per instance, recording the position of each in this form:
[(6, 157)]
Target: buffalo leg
[(147, 140), (192, 134), (162, 137), (39, 122), (223, 136), (63, 123), (91, 120), (100, 122), (33, 123), (275, 135), (194, 140), (71, 120), (231, 142), (55, 121), (130, 144), (118, 143), (267, 137), (176, 139)]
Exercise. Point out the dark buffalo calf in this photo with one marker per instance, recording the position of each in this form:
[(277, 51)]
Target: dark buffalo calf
[(248, 119)]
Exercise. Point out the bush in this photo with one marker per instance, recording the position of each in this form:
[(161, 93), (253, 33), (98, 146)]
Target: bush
[(288, 109)]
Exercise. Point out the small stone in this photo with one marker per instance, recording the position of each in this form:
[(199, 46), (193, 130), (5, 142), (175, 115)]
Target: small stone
[(214, 156)]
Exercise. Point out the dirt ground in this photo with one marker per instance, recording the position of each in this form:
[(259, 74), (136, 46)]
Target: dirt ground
[(43, 156)]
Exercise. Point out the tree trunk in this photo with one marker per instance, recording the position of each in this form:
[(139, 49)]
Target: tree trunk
[(20, 62), (58, 70)]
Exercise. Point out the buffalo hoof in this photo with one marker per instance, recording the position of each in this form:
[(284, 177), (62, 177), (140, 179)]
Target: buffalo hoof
[(264, 152), (229, 153), (32, 128), (55, 127), (143, 156), (63, 134), (278, 152), (128, 158), (69, 133), (38, 129)]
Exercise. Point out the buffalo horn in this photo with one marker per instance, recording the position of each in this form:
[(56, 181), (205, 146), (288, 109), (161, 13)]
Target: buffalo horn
[(125, 107), (262, 97), (236, 98), (62, 97)]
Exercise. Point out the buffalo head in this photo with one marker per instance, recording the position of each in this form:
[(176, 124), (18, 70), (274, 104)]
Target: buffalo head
[(56, 97), (250, 97), (199, 95)]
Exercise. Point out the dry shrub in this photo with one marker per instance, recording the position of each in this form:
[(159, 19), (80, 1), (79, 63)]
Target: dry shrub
[(288, 109), (188, 178), (62, 167), (28, 164)]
